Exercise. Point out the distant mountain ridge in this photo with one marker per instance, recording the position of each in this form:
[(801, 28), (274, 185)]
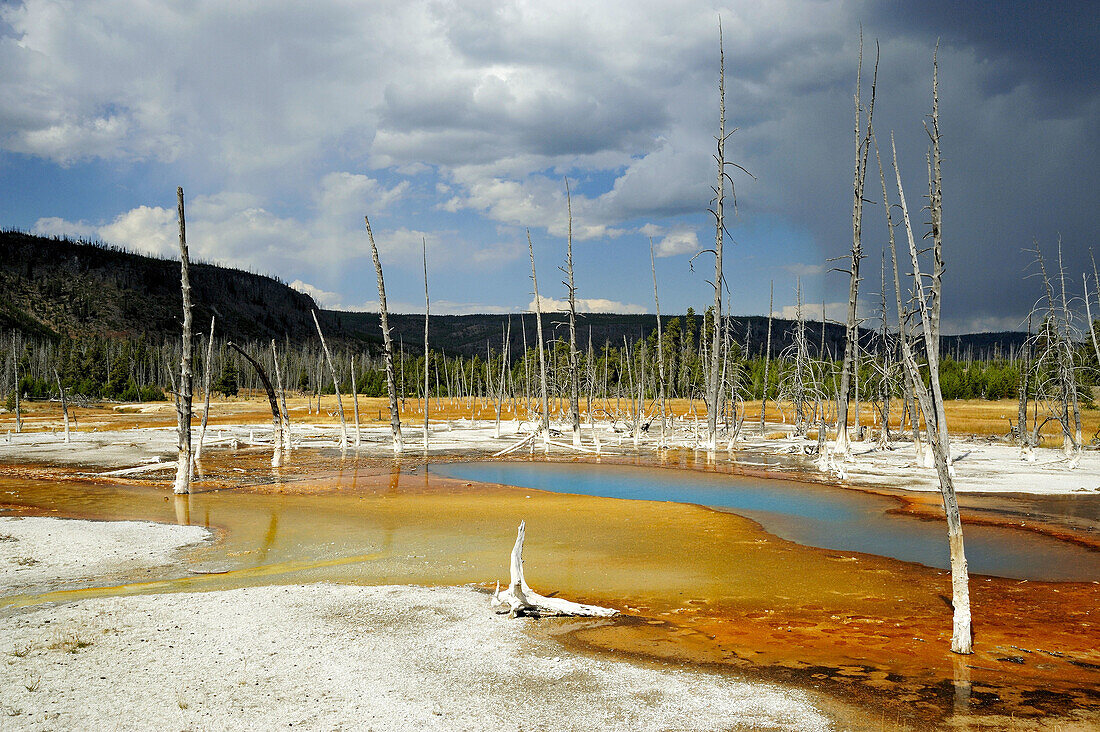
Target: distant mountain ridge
[(57, 287)]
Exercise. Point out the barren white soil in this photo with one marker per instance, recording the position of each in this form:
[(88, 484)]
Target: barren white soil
[(337, 657), (36, 553), (981, 466)]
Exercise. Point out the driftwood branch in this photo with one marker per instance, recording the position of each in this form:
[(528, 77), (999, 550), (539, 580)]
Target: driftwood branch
[(519, 599)]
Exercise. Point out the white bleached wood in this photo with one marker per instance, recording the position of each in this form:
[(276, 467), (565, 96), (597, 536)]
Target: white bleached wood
[(427, 353), (515, 446), (542, 356), (284, 412), (574, 356), (335, 384), (387, 345), (64, 403), (183, 398), (519, 599), (355, 403), (158, 465), (206, 397)]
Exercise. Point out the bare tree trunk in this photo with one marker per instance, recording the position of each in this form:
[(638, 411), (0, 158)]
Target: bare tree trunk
[(183, 400), (1025, 370), (886, 371), (932, 399), (335, 385), (276, 426), (1088, 314), (391, 384), (767, 358), (855, 377), (542, 357), (526, 369), (15, 374), (206, 395), (503, 371), (427, 353), (591, 389), (64, 404), (903, 326), (288, 442), (660, 345), (355, 403), (851, 340), (1070, 369), (713, 375), (574, 384)]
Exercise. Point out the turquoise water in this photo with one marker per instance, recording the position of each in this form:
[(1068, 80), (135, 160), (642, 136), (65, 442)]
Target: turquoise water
[(812, 515)]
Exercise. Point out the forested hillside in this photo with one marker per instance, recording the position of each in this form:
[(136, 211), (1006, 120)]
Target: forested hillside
[(57, 287), (53, 287), (108, 321)]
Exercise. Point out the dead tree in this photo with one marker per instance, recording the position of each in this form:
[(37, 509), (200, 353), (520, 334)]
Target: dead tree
[(287, 441), (183, 398), (15, 375), (1088, 314), (354, 402), (720, 231), (885, 366), (387, 345), (1068, 364), (851, 336), (276, 426), (800, 384), (767, 358), (519, 599), (1023, 388), (1054, 371), (904, 336), (713, 375), (574, 358), (660, 345), (427, 353), (64, 404), (206, 369), (542, 356), (507, 336), (335, 384), (931, 399)]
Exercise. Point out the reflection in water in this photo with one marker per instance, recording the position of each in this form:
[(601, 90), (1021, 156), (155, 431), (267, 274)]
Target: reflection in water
[(269, 536), (709, 573), (961, 683), (182, 502), (813, 515)]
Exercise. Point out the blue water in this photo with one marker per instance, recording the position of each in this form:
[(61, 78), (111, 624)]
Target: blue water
[(812, 515)]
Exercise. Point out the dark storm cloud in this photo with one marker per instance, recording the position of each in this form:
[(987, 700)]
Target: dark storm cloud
[(492, 103), (1054, 44)]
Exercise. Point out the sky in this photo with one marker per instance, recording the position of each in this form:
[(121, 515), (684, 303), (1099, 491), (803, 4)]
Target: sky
[(455, 126)]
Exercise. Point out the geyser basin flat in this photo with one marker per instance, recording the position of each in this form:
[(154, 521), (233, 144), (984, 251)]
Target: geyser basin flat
[(812, 515)]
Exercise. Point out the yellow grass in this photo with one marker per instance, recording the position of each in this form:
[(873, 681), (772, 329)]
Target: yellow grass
[(964, 417)]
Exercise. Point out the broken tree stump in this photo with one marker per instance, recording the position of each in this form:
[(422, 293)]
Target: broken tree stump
[(519, 599)]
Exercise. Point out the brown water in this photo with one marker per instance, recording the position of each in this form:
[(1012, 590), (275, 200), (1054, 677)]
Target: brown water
[(699, 586)]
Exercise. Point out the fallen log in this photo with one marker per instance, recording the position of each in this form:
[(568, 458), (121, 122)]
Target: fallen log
[(515, 446), (143, 468), (519, 599)]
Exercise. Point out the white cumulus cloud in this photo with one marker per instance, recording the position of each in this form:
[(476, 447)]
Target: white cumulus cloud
[(585, 305)]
